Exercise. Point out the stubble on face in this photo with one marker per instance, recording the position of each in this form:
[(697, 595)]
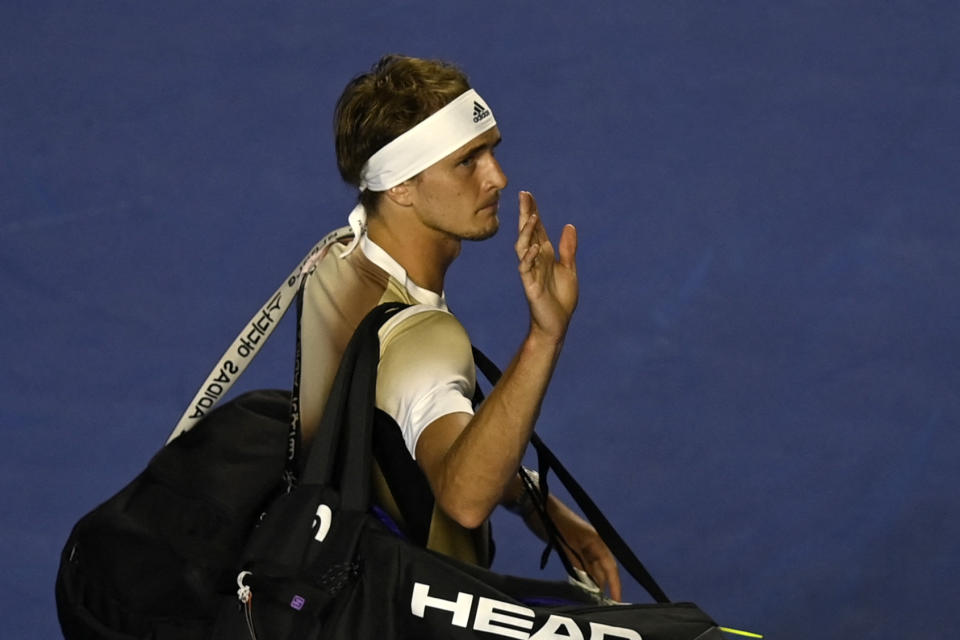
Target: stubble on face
[(472, 233), (490, 229)]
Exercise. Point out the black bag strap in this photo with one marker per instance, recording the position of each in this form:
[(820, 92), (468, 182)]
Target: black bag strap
[(408, 484), (607, 532), (294, 461), (341, 453)]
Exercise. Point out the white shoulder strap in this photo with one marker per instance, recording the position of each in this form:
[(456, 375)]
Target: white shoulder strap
[(254, 334)]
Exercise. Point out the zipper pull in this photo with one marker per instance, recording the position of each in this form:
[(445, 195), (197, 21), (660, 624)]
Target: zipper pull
[(246, 597), (244, 592)]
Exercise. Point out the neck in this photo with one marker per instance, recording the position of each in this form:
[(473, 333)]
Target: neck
[(425, 254)]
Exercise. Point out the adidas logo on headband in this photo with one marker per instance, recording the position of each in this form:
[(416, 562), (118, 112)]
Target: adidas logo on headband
[(479, 111)]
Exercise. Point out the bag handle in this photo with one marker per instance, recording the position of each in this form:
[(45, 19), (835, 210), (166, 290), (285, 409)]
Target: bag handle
[(607, 532), (255, 333), (341, 454)]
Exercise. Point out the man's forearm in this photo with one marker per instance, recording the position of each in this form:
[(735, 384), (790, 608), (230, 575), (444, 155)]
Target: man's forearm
[(470, 464), (483, 460)]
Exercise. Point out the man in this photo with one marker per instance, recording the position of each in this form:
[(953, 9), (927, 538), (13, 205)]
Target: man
[(419, 144)]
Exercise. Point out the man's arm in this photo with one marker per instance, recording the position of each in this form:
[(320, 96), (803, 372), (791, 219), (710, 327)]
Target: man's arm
[(470, 461)]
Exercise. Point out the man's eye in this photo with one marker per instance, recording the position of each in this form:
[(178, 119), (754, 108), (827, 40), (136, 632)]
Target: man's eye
[(466, 162)]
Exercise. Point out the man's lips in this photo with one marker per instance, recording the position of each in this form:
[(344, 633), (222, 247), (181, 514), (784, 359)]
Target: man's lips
[(495, 204)]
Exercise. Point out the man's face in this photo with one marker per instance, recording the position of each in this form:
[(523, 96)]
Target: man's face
[(459, 195)]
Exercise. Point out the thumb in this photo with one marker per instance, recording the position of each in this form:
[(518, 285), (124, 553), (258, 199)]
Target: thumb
[(567, 247)]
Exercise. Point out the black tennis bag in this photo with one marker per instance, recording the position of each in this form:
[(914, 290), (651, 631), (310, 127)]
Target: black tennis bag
[(323, 564), (156, 560)]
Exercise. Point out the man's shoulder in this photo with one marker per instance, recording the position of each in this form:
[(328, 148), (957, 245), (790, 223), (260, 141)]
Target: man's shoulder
[(424, 347), (422, 322)]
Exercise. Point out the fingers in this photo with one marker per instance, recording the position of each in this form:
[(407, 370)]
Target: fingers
[(526, 237), (604, 572), (530, 214), (587, 550), (567, 247), (601, 565), (613, 583), (531, 227), (529, 223), (529, 258), (528, 207)]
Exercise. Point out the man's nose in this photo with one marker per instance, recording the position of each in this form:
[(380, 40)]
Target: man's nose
[(496, 177)]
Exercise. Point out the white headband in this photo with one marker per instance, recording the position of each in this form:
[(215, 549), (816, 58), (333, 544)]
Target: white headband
[(419, 147), (428, 142)]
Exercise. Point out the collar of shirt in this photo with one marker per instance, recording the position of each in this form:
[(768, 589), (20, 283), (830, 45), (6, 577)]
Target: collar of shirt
[(385, 261)]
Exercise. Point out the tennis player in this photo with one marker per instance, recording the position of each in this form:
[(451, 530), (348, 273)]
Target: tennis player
[(420, 144)]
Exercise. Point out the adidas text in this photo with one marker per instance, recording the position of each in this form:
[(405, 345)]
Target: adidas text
[(510, 620), (214, 389)]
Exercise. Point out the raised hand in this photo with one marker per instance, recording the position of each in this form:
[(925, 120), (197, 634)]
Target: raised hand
[(549, 277)]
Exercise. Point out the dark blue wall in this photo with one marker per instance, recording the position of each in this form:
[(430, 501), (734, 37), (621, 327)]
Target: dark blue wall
[(761, 384)]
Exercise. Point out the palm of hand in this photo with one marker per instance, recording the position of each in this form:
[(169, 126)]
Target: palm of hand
[(549, 280)]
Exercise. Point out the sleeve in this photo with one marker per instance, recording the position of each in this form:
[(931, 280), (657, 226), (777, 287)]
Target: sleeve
[(426, 370)]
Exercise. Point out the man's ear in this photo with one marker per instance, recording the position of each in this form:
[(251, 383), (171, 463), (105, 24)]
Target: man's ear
[(401, 194)]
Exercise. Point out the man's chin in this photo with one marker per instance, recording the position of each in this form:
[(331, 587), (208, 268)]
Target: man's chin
[(485, 233)]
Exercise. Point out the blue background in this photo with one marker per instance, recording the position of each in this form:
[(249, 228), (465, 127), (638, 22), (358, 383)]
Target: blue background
[(761, 383)]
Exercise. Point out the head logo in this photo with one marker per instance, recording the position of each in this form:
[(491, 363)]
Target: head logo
[(512, 620), (479, 111)]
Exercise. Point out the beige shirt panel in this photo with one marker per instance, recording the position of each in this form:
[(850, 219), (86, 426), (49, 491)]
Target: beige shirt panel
[(337, 296)]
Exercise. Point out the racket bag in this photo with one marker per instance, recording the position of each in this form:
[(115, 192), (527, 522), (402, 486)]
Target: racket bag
[(324, 563)]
